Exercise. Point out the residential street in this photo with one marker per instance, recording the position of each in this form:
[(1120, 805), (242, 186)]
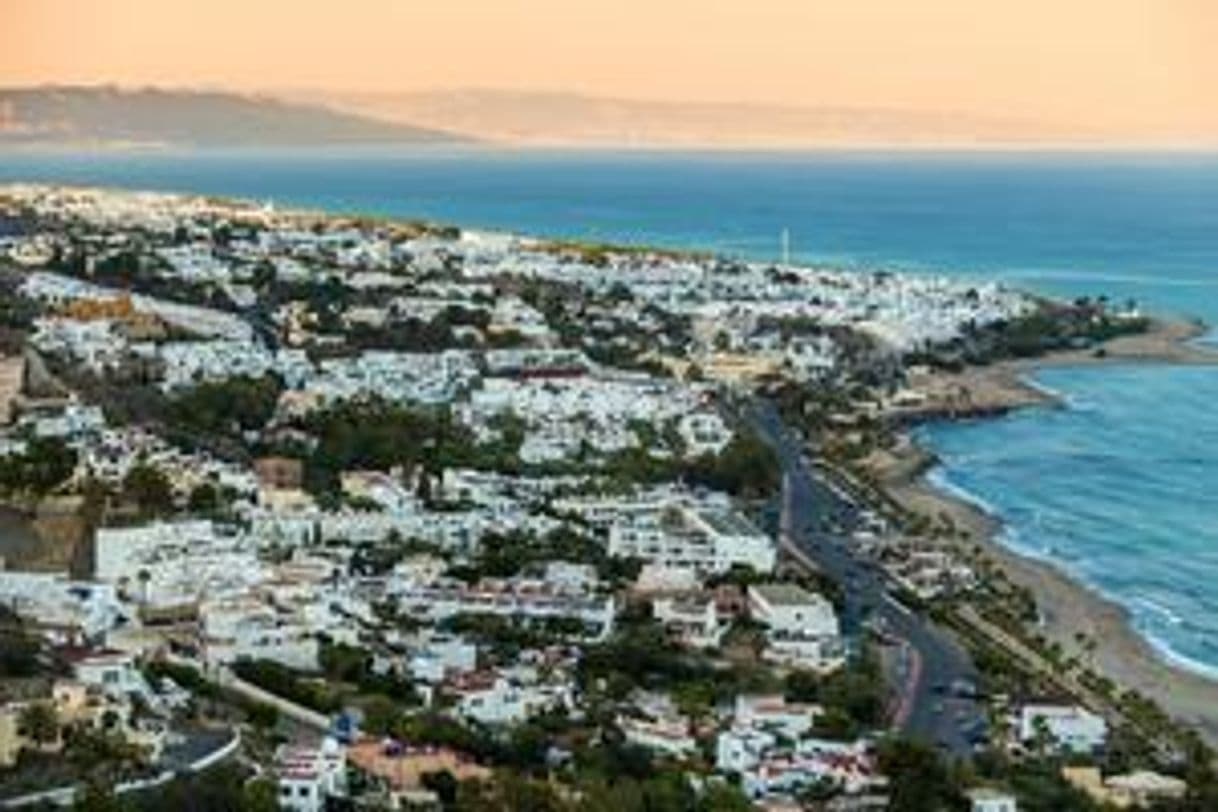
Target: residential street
[(933, 708)]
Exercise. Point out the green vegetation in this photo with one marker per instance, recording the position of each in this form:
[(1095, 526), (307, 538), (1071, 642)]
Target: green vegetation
[(147, 487), (1081, 324), (224, 788), (346, 665), (378, 435), (919, 780), (506, 637), (853, 697), (503, 555), (283, 681), (640, 655), (747, 468), (44, 465), (39, 722), (226, 407), (19, 648)]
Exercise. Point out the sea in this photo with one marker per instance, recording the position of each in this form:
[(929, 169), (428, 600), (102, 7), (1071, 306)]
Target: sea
[(1119, 488)]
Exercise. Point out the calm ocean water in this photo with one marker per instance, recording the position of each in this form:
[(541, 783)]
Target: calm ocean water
[(1118, 489)]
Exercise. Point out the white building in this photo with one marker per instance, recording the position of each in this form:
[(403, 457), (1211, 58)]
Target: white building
[(61, 609), (1072, 727), (441, 657), (802, 627), (984, 799), (522, 598), (792, 720), (507, 702), (703, 432), (706, 540), (246, 628), (113, 672), (691, 619), (309, 777), (669, 737)]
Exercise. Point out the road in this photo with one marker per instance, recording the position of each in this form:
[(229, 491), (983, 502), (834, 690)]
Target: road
[(818, 519)]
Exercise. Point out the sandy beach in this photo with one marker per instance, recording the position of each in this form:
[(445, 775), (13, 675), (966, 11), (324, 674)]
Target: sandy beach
[(1067, 606)]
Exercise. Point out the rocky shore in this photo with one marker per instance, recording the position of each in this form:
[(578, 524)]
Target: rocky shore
[(992, 390)]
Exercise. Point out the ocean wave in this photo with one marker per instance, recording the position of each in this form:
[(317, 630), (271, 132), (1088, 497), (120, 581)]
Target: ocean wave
[(1171, 655), (1149, 619), (1010, 538), (1143, 611), (940, 479), (1046, 390), (1077, 403), (1159, 609)]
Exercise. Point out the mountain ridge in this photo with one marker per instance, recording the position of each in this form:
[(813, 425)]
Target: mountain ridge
[(71, 114)]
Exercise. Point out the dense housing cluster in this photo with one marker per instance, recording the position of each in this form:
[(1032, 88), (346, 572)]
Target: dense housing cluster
[(486, 514)]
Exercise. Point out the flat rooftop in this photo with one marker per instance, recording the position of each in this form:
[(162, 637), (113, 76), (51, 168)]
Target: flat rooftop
[(785, 594), (728, 523)]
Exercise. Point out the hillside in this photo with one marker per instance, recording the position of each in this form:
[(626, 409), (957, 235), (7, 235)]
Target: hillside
[(103, 115)]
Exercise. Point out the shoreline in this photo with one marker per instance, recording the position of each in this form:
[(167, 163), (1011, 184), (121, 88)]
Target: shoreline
[(1004, 386), (1068, 605)]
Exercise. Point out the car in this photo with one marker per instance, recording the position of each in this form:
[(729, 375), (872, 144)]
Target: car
[(964, 688)]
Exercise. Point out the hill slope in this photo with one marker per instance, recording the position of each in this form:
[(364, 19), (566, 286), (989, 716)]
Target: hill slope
[(49, 115), (566, 118)]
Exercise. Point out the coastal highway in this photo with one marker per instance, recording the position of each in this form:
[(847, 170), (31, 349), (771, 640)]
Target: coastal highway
[(933, 665)]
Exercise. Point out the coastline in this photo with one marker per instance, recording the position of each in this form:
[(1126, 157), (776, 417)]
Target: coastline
[(1068, 606)]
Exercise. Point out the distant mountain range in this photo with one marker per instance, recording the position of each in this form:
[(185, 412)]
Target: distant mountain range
[(112, 116), (570, 119)]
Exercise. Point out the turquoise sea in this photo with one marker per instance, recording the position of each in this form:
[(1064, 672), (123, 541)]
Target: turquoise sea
[(1120, 488)]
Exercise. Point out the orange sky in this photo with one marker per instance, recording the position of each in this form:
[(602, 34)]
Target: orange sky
[(1140, 68)]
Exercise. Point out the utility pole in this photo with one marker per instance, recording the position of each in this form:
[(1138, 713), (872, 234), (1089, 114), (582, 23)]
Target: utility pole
[(786, 247)]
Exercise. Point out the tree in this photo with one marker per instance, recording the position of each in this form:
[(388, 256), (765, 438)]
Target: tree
[(259, 795), (918, 778), (204, 498), (423, 489), (18, 647), (149, 488), (443, 784), (238, 404), (262, 716), (98, 798), (723, 797), (345, 663), (381, 715), (39, 723), (44, 465), (263, 276), (746, 467)]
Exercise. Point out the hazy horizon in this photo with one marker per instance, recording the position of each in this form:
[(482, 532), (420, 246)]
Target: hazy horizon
[(1122, 70)]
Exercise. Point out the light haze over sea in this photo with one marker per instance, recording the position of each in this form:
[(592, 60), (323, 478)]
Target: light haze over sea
[(1120, 488)]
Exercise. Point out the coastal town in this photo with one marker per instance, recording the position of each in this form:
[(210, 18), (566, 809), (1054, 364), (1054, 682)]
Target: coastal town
[(337, 512)]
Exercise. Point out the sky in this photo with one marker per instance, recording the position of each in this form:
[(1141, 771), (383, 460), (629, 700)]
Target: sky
[(1138, 68)]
